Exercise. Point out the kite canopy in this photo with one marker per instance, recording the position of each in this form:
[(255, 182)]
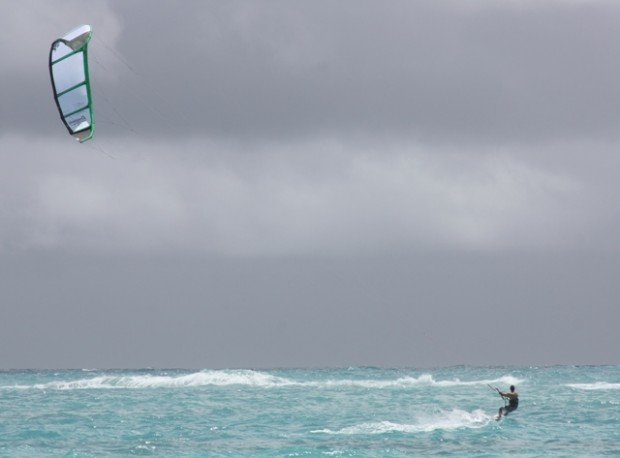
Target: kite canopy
[(71, 84)]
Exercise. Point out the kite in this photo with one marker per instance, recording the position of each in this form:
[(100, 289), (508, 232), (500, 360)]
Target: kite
[(68, 65)]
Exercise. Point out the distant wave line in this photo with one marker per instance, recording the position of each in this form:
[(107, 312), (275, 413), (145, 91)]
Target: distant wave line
[(594, 386), (248, 378)]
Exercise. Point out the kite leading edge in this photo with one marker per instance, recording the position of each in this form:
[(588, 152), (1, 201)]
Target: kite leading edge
[(68, 64)]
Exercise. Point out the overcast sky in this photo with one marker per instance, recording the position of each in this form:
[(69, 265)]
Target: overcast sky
[(314, 183)]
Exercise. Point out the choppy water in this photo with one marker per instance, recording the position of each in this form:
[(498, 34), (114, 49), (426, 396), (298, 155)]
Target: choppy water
[(563, 411)]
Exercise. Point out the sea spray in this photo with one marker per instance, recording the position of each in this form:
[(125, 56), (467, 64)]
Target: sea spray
[(444, 420)]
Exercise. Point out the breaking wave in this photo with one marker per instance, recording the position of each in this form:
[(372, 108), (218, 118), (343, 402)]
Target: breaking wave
[(594, 386), (247, 378), (407, 382), (203, 378)]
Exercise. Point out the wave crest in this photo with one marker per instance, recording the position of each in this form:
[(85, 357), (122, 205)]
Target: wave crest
[(594, 386), (249, 378), (203, 378)]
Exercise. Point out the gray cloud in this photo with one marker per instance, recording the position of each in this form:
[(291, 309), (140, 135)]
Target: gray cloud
[(341, 198), (421, 311), (501, 72), (439, 71), (398, 179)]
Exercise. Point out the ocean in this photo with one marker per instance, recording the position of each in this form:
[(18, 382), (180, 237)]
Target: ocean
[(361, 412)]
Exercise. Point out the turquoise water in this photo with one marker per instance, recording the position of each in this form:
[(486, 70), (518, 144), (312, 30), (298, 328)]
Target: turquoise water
[(563, 411)]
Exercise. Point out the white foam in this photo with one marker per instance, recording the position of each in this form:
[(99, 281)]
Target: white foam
[(407, 382), (249, 378), (594, 386), (454, 419), (203, 378)]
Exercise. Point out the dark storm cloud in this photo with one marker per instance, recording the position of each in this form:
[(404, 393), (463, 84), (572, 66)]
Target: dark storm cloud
[(500, 71), (477, 71), (506, 71)]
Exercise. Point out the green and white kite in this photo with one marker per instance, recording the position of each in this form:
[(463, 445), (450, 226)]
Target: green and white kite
[(71, 83)]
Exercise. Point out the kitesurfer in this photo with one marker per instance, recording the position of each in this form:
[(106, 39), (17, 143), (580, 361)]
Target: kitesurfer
[(513, 401)]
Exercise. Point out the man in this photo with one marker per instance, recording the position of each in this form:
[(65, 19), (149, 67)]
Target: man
[(513, 401)]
